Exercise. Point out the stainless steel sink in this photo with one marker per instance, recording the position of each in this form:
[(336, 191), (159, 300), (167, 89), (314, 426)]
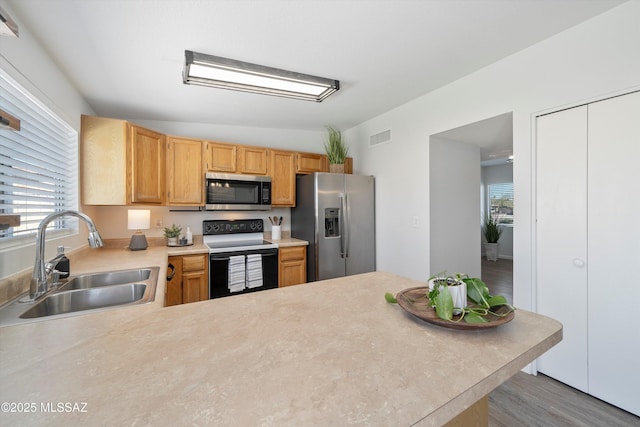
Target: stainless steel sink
[(107, 279), (86, 299), (84, 294)]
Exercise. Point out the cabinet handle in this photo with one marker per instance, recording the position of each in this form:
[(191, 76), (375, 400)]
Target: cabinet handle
[(173, 272)]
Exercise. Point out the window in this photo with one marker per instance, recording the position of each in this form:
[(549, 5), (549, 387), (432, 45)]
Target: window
[(38, 165), (501, 202)]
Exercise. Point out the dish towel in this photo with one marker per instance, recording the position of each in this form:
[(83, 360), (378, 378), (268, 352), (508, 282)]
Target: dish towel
[(236, 281), (254, 271)]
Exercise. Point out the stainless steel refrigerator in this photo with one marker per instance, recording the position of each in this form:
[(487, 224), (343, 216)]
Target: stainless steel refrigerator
[(335, 214)]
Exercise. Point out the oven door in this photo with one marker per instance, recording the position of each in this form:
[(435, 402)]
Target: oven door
[(229, 270)]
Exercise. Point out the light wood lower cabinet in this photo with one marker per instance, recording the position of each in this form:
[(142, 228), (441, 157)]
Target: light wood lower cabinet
[(190, 282), (292, 266)]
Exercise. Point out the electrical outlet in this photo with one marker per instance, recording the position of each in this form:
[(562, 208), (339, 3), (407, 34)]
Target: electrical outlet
[(158, 222)]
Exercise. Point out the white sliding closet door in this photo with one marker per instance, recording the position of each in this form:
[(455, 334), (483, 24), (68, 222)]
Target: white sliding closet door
[(614, 250), (588, 245), (562, 240)]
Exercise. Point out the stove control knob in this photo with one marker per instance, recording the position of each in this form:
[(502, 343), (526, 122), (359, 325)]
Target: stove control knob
[(258, 225)]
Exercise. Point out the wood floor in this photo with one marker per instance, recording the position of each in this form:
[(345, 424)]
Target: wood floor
[(540, 401), (498, 276)]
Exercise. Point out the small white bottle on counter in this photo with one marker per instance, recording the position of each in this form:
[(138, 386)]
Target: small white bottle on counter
[(189, 236)]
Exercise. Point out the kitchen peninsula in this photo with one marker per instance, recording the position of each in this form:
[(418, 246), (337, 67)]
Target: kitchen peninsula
[(324, 353)]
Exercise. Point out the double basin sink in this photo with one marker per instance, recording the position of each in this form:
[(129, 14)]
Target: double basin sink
[(85, 293)]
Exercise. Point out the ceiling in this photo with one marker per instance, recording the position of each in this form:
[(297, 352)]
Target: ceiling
[(126, 56), (494, 136)]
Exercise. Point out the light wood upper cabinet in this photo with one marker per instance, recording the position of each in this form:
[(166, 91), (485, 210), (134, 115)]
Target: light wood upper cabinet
[(348, 165), (283, 178), (252, 160), (121, 163), (185, 172), (147, 165), (311, 162), (221, 157)]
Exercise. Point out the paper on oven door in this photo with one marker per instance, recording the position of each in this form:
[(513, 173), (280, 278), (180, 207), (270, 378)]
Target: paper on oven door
[(254, 271), (237, 273)]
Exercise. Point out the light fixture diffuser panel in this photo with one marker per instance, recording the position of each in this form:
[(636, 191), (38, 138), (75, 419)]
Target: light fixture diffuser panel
[(213, 71)]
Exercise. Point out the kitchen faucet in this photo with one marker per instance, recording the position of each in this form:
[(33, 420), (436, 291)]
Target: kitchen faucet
[(41, 270)]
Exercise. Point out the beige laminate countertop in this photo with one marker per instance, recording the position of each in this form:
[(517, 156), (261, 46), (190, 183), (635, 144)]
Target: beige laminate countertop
[(324, 353), (200, 248)]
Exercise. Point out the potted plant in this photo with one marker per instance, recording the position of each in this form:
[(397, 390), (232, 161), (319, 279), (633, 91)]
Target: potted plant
[(336, 150), (492, 232), (172, 233), (456, 287)]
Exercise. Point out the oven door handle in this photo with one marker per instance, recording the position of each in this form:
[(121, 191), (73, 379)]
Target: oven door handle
[(275, 253), (268, 254)]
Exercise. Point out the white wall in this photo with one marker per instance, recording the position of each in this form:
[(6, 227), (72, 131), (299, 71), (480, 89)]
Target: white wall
[(597, 57), (454, 185), (29, 65), (285, 139), (499, 174)]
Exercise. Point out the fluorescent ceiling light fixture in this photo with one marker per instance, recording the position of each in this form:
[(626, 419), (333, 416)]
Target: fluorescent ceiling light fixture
[(214, 71), (7, 26)]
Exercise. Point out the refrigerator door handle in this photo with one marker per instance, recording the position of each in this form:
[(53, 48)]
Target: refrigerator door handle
[(343, 206), (347, 225)]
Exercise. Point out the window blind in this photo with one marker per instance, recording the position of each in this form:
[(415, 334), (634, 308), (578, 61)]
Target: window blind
[(501, 202), (38, 164)]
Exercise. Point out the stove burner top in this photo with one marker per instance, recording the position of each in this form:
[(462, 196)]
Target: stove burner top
[(234, 235)]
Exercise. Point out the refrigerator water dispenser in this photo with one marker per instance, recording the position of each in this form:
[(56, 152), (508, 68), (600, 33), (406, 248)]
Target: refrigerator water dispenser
[(332, 222)]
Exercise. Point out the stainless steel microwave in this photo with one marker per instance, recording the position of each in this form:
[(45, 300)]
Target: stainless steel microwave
[(231, 192)]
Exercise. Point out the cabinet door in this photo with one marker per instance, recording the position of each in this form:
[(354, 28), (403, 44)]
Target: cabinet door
[(614, 250), (185, 174), (173, 292), (562, 240), (310, 163), (348, 165), (221, 157), (195, 278), (103, 161), (194, 287), (252, 160), (283, 178), (147, 161), (293, 266)]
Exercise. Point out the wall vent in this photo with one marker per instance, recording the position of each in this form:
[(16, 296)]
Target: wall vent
[(380, 138)]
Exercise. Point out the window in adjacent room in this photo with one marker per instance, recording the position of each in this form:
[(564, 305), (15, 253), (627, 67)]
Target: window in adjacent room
[(501, 202), (38, 165)]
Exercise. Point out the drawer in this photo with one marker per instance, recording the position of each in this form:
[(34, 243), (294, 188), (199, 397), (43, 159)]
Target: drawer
[(193, 263), (294, 253)]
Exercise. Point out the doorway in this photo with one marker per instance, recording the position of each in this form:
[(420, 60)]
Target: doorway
[(492, 140)]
